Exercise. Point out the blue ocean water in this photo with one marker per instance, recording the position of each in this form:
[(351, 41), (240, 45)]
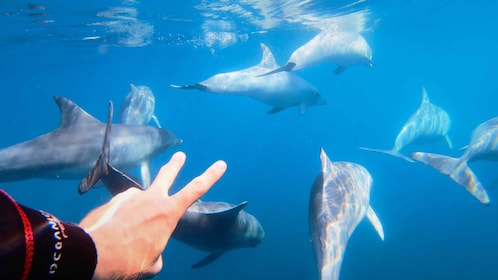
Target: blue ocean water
[(91, 51)]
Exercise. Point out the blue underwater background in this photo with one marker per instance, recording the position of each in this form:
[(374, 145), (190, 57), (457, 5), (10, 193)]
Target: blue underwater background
[(90, 51)]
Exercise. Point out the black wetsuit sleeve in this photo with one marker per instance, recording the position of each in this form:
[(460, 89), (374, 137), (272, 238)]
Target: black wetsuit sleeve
[(36, 245)]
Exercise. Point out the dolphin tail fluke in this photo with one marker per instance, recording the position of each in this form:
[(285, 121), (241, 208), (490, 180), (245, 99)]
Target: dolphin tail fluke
[(458, 171), (448, 141), (374, 220), (287, 68), (194, 86), (156, 120), (115, 180), (388, 152), (101, 166), (209, 259)]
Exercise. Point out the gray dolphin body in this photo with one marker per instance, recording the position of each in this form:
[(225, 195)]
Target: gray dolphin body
[(69, 151), (281, 90), (483, 146), (215, 227), (138, 109), (430, 123), (340, 198), (340, 48)]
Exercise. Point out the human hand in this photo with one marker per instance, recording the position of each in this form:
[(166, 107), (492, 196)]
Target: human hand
[(133, 228)]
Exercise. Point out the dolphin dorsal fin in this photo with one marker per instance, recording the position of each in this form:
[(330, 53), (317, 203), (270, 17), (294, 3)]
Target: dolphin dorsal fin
[(230, 214), (425, 98), (133, 88), (72, 114), (327, 165), (268, 60), (374, 220)]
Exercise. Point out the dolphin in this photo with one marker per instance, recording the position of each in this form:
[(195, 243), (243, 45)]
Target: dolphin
[(483, 146), (280, 91), (430, 123), (340, 198), (138, 109), (336, 47), (69, 151), (211, 226), (217, 227)]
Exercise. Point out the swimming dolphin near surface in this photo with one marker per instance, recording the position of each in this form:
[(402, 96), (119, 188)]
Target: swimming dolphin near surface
[(280, 91), (336, 47), (339, 200), (483, 146), (215, 227), (138, 109), (69, 151), (430, 123)]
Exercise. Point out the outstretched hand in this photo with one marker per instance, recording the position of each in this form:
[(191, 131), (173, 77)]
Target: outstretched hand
[(133, 228)]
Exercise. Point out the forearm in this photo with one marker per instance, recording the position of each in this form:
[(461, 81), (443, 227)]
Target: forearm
[(37, 245)]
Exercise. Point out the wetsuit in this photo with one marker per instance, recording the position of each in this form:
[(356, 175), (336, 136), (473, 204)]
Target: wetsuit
[(36, 245)]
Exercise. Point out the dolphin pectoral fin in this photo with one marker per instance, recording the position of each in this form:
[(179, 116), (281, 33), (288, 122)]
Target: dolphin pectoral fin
[(458, 171), (374, 220), (302, 108), (276, 110), (463, 148), (447, 138), (388, 152), (145, 173), (209, 259), (156, 120), (340, 69), (286, 68)]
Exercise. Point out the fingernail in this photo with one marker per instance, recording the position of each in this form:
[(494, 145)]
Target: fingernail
[(178, 155), (220, 165)]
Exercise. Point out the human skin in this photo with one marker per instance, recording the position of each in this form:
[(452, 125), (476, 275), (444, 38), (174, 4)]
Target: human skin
[(131, 231)]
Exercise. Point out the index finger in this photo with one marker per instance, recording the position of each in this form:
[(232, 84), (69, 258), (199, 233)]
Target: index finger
[(168, 173), (200, 185)]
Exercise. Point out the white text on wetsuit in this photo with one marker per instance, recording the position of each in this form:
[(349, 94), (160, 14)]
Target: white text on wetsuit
[(59, 236)]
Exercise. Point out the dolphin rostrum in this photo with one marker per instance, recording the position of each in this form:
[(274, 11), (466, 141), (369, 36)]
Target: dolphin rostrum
[(280, 91), (336, 47), (69, 151), (430, 123), (339, 200), (215, 227), (138, 109), (483, 146)]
